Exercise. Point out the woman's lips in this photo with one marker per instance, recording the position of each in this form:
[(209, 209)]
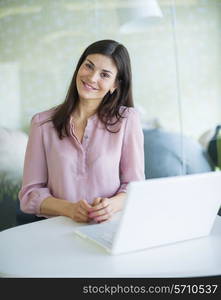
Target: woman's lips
[(88, 86)]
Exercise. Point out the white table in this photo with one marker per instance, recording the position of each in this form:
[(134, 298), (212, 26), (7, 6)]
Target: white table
[(49, 248)]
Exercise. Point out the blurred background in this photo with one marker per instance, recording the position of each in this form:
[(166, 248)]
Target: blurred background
[(175, 50)]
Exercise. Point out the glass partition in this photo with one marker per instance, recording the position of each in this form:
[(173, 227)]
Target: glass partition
[(198, 41), (175, 55)]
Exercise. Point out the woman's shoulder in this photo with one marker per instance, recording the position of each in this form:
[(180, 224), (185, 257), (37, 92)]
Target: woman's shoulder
[(43, 116), (129, 112)]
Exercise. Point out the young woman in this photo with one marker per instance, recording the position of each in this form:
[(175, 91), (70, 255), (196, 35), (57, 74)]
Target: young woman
[(82, 154)]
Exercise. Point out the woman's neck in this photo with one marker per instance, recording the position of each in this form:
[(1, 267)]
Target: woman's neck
[(86, 108)]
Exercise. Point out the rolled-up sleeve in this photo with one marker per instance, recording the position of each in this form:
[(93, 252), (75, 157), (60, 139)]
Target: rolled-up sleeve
[(132, 157), (35, 175)]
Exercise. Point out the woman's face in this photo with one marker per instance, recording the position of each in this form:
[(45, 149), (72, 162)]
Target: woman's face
[(96, 77)]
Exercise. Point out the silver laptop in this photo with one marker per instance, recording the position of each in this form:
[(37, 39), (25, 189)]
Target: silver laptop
[(160, 211)]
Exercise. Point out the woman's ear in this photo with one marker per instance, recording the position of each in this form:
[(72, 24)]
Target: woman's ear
[(112, 90)]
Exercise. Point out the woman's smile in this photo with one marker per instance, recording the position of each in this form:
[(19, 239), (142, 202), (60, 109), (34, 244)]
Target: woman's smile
[(88, 87)]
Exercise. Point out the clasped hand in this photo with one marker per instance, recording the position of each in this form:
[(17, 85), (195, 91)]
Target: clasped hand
[(100, 210)]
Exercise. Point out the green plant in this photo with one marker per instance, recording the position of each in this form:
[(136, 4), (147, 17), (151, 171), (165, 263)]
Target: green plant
[(9, 187)]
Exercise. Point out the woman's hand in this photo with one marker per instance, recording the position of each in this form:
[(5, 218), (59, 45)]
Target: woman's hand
[(103, 208), (79, 211)]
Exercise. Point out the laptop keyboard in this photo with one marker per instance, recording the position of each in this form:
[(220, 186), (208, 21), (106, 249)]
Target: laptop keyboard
[(105, 233), (102, 233)]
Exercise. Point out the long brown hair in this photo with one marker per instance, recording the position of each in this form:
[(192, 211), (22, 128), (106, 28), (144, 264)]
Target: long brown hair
[(109, 108)]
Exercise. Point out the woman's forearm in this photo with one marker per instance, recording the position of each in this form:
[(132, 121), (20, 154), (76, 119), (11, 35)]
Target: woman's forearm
[(56, 207), (118, 201), (52, 206)]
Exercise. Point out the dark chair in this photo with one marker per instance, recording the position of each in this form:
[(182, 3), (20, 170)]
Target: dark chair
[(23, 218)]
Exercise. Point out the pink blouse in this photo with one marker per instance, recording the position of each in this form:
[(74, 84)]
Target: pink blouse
[(101, 166)]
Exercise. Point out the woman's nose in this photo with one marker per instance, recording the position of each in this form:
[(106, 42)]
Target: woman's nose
[(93, 76)]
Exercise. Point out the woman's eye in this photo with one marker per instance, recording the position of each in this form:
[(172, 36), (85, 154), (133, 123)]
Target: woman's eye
[(105, 75), (89, 66)]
